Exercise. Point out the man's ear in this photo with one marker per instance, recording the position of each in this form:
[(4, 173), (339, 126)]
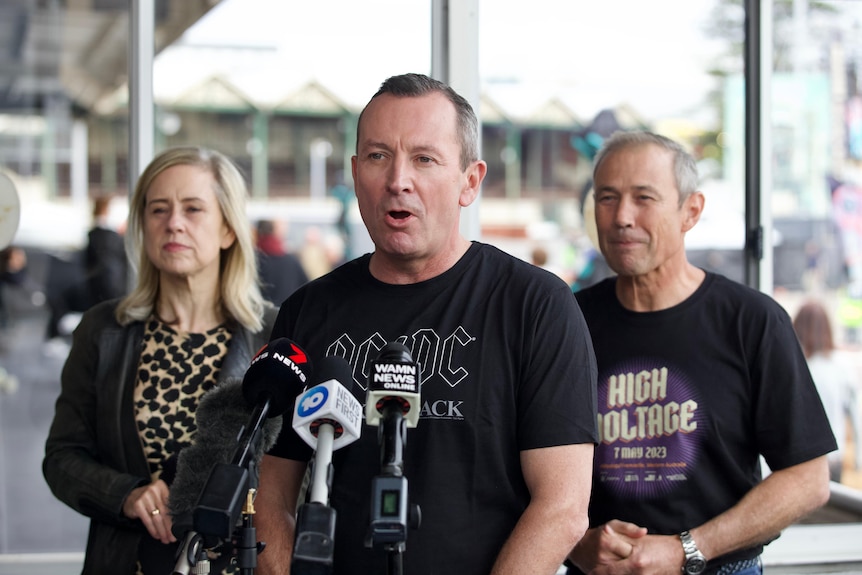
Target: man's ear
[(474, 175), (693, 207)]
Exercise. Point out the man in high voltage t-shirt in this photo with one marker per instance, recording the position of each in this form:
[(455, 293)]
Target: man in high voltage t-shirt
[(501, 458), (698, 377)]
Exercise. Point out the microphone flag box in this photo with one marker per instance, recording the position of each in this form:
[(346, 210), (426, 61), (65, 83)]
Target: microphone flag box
[(396, 381), (328, 402)]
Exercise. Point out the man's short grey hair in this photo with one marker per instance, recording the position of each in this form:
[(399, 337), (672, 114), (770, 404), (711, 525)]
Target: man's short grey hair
[(413, 85), (684, 166)]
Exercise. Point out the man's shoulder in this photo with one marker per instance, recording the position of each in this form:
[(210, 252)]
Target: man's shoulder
[(722, 288), (509, 267), (343, 278)]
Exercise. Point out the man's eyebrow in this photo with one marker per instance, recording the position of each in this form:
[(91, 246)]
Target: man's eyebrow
[(645, 188), (371, 144), (637, 188), (430, 149)]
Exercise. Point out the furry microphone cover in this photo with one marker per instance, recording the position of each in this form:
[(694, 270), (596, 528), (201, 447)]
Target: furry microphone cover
[(220, 417)]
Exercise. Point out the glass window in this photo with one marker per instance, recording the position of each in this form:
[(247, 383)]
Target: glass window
[(815, 199), (278, 86)]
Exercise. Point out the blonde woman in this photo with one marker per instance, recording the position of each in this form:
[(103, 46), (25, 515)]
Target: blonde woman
[(138, 366)]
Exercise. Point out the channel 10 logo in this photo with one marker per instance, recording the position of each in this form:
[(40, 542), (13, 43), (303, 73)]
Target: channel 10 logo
[(312, 401)]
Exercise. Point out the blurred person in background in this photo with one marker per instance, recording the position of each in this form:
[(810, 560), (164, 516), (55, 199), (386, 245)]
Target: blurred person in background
[(75, 286), (320, 252), (835, 377), (280, 271), (138, 366), (105, 257), (13, 271), (539, 258)]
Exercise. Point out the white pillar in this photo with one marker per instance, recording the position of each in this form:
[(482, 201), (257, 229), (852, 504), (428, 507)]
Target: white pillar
[(455, 61)]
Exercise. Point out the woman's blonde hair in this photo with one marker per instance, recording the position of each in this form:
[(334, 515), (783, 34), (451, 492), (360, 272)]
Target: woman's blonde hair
[(240, 297)]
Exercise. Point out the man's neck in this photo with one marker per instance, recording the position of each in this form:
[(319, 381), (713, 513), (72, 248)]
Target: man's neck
[(411, 271), (660, 289)]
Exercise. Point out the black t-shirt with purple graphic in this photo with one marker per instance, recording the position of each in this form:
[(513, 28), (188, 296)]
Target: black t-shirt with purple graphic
[(689, 398)]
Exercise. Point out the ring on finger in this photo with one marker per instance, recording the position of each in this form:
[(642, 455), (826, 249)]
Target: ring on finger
[(155, 511)]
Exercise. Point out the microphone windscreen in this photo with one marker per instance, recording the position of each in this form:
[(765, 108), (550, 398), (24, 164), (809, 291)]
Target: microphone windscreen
[(334, 367), (221, 415), (395, 351), (278, 373)]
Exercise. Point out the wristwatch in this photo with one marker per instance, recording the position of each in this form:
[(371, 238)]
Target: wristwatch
[(695, 562)]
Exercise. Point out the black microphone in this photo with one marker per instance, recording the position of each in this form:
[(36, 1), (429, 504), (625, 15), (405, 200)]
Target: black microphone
[(274, 378), (221, 417), (392, 403), (277, 374), (393, 382), (327, 417)]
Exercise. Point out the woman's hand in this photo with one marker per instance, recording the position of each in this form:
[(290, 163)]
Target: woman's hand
[(149, 503)]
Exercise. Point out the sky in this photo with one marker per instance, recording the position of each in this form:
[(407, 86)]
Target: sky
[(651, 55)]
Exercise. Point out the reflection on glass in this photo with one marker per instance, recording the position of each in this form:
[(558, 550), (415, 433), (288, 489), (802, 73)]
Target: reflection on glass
[(816, 197)]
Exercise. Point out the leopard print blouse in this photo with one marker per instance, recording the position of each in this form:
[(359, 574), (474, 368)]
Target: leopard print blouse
[(175, 369)]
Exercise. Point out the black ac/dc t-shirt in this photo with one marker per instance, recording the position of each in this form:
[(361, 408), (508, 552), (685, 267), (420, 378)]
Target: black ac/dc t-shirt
[(507, 365)]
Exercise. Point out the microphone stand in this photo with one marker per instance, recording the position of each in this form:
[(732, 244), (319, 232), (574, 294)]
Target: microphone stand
[(192, 556), (247, 546), (314, 541), (216, 514), (391, 514)]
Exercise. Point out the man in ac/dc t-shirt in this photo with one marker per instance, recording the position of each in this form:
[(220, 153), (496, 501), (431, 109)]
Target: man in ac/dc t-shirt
[(500, 460), (698, 377)]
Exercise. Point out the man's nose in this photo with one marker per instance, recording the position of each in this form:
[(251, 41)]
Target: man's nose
[(400, 176), (626, 213)]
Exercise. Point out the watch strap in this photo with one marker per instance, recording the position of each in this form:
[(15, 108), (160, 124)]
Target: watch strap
[(689, 547)]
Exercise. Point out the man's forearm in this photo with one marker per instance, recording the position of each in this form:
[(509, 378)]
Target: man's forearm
[(585, 552), (778, 501), (276, 556), (540, 542), (275, 519)]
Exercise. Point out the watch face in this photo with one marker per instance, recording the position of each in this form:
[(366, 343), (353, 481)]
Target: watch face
[(695, 565)]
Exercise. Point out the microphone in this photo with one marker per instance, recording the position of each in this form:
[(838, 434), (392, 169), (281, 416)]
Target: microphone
[(327, 417), (394, 381), (392, 403), (221, 417), (273, 379), (276, 374)]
